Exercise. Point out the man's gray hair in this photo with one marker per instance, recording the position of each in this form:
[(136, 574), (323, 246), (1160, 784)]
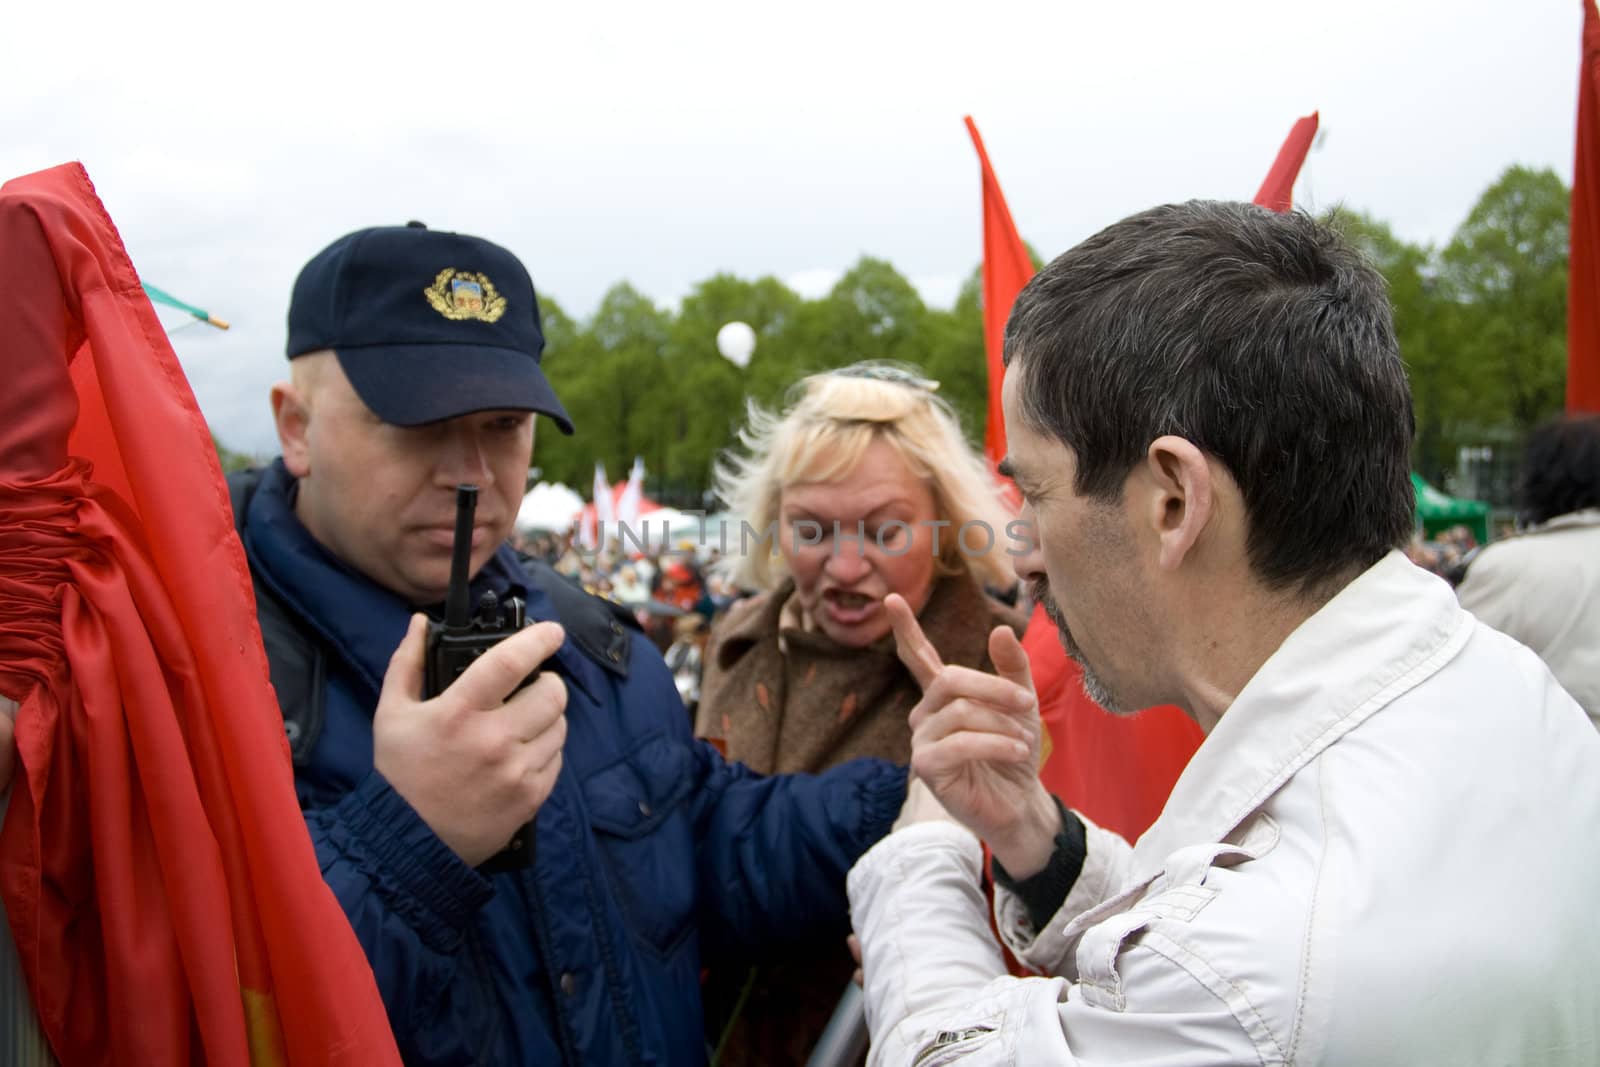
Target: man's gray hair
[(1264, 339)]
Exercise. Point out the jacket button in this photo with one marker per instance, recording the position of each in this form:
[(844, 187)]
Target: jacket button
[(569, 984), (645, 809), (291, 730), (615, 655)]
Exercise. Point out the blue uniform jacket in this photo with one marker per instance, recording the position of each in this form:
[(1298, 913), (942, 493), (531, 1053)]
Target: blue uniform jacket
[(650, 848)]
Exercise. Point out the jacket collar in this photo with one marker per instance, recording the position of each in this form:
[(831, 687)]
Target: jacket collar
[(1380, 636)]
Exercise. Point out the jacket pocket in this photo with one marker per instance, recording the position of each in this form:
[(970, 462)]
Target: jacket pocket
[(643, 832)]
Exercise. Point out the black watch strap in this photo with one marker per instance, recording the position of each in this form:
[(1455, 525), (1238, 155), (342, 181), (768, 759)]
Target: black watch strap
[(1044, 893)]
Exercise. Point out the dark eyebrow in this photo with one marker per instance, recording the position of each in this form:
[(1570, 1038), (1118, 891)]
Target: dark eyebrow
[(893, 504), (1007, 468)]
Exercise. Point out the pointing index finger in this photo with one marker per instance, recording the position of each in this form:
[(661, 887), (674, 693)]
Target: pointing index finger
[(1009, 658), (913, 646)]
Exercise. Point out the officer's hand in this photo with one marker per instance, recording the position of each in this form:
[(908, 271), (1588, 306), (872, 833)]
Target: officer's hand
[(975, 743), (477, 761)]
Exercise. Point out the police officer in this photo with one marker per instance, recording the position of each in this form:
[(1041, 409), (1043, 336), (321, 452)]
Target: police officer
[(415, 367)]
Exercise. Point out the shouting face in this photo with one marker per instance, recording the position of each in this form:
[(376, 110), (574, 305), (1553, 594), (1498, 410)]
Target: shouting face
[(852, 541)]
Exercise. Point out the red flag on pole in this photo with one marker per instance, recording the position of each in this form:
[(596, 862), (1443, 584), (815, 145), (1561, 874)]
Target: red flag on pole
[(1583, 270), (1006, 269), (1277, 192), (162, 889), (1116, 770)]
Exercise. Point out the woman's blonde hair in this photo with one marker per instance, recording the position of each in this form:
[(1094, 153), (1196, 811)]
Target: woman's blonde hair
[(829, 422)]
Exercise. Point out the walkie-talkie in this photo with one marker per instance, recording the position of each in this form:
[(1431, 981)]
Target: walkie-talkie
[(466, 634)]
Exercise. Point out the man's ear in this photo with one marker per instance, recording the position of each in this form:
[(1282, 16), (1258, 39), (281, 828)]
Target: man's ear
[(1180, 497), (291, 414)]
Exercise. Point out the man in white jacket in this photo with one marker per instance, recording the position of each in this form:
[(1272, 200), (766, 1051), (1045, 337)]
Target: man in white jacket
[(1382, 852), (1542, 586)]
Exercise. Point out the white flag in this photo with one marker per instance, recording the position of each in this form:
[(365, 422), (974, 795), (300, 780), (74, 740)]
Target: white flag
[(628, 505), (605, 507)]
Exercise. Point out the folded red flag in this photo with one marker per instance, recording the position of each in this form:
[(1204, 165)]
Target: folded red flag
[(1277, 191), (1006, 269), (160, 883), (1583, 276)]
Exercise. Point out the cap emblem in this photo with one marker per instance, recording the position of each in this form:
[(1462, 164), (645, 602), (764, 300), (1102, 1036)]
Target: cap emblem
[(461, 294)]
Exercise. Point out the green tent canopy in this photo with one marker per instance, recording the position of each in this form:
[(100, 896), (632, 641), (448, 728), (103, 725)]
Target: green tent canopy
[(1439, 511)]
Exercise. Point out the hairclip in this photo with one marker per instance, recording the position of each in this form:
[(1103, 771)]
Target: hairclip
[(887, 372)]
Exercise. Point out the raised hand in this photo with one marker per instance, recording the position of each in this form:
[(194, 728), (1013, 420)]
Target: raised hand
[(975, 742), (478, 760)]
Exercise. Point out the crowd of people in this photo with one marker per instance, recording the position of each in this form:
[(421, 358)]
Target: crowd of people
[(1446, 554), (675, 592), (1209, 426)]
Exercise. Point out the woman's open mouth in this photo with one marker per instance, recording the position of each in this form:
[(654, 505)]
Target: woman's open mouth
[(848, 609)]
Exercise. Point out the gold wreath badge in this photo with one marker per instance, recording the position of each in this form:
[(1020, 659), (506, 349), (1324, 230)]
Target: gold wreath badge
[(460, 294)]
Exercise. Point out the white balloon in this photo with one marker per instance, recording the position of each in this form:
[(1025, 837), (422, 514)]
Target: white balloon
[(736, 341)]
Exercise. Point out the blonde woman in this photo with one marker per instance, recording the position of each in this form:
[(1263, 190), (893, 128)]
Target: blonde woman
[(862, 487)]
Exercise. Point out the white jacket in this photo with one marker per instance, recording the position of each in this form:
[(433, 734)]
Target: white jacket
[(1382, 854), (1543, 588)]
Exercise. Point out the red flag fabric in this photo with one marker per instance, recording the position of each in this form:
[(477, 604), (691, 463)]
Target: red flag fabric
[(1583, 271), (1277, 192), (1006, 269), (162, 889)]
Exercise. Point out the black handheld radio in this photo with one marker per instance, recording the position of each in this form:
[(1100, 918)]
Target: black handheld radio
[(463, 636)]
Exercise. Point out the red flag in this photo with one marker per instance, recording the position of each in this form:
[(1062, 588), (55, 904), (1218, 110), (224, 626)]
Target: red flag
[(1277, 192), (1006, 269), (160, 883), (1583, 271), (1117, 770)]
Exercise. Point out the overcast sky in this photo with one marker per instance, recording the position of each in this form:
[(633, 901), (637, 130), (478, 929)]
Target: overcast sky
[(661, 143)]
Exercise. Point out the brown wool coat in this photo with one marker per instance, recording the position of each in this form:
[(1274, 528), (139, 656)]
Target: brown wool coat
[(807, 708), (819, 703)]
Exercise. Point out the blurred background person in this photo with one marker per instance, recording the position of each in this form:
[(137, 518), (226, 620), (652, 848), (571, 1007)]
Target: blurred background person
[(626, 588), (873, 490), (1542, 586), (678, 583), (685, 656)]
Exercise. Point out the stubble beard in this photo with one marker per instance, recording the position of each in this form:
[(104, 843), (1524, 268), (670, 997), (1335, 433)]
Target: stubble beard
[(1039, 590)]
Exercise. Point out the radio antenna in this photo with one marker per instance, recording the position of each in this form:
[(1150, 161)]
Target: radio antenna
[(457, 610)]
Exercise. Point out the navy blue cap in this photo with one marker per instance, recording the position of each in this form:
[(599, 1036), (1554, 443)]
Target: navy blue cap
[(427, 325)]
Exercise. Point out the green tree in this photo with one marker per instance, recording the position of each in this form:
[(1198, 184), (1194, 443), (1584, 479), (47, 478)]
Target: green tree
[(234, 461), (872, 312), (1506, 269), (611, 379), (1424, 318), (559, 329), (708, 391), (956, 357), (559, 457)]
